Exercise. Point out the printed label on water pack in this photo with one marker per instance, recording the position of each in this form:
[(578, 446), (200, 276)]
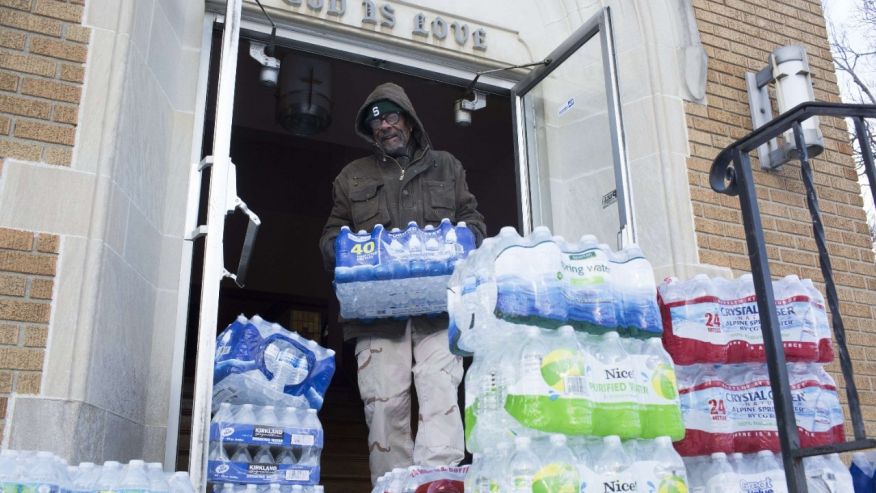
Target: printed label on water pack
[(659, 380), (564, 371), (655, 476), (39, 488), (765, 482), (718, 407), (261, 435), (221, 471), (556, 476), (614, 383), (698, 319)]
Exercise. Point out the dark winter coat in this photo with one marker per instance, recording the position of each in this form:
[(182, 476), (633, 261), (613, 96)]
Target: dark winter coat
[(434, 185)]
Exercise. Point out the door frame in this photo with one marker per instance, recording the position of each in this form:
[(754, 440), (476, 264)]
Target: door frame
[(449, 71)]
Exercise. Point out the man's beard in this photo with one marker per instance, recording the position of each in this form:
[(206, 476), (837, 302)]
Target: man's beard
[(397, 146)]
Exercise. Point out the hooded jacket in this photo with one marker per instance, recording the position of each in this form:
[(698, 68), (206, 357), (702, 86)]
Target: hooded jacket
[(434, 185)]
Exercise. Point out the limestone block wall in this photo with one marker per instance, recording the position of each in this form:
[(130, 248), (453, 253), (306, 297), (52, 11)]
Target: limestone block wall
[(738, 36)]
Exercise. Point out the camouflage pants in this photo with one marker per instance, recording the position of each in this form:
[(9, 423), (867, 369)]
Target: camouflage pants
[(386, 367)]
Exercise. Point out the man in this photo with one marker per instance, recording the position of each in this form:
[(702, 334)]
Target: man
[(404, 180)]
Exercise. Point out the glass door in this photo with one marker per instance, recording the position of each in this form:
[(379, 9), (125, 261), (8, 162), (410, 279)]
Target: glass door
[(570, 151)]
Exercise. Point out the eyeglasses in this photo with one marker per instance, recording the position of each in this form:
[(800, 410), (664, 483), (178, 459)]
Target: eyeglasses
[(390, 118)]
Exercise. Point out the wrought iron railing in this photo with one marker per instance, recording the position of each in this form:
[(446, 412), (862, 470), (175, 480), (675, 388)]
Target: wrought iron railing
[(731, 174)]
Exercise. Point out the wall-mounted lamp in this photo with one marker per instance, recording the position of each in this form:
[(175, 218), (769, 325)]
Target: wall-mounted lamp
[(789, 69), (262, 53), (474, 100)]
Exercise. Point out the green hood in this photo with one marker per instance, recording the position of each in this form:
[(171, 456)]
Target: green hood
[(396, 94)]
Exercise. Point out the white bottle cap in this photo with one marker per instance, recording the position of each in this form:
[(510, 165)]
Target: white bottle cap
[(611, 440), (719, 455), (521, 442), (558, 439)]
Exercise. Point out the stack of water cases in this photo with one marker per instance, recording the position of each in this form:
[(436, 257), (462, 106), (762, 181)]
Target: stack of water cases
[(265, 434), (43, 472), (419, 479), (397, 273), (570, 388), (712, 327)]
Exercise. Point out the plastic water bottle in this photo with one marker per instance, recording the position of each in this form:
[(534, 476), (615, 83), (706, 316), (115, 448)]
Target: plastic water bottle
[(720, 476), (659, 412), (524, 400), (9, 472), (42, 476), (157, 478), (245, 415), (474, 474), (242, 455), (180, 482), (523, 466), (310, 452), (223, 415), (110, 476), (670, 470), (615, 408), (263, 455), (560, 468), (135, 479), (634, 283), (612, 467)]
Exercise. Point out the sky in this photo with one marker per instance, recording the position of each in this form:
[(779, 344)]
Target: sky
[(842, 14)]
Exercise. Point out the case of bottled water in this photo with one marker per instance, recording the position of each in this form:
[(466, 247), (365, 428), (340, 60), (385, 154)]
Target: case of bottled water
[(863, 471), (763, 471), (264, 445), (422, 479), (557, 463), (716, 320), (397, 273), (528, 381), (43, 472), (259, 362), (729, 408), (546, 281)]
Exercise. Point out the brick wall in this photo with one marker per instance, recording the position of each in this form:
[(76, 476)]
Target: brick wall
[(27, 272), (738, 35), (42, 50)]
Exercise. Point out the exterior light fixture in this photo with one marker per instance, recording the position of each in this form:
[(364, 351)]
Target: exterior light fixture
[(474, 100), (789, 68), (270, 72)]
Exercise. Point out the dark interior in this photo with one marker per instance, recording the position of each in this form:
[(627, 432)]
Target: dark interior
[(287, 180)]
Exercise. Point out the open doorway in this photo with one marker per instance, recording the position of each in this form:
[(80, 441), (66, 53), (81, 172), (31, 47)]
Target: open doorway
[(287, 181)]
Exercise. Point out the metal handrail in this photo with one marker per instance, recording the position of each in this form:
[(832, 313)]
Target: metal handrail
[(731, 174)]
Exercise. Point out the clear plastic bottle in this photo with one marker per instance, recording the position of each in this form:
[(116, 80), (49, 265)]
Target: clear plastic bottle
[(266, 416), (310, 451), (110, 476), (613, 466), (157, 478), (241, 454), (522, 466), (180, 482), (659, 412), (559, 471), (135, 479), (224, 414), (670, 469), (42, 476), (245, 415), (525, 400), (720, 476), (616, 406), (263, 455), (9, 471)]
